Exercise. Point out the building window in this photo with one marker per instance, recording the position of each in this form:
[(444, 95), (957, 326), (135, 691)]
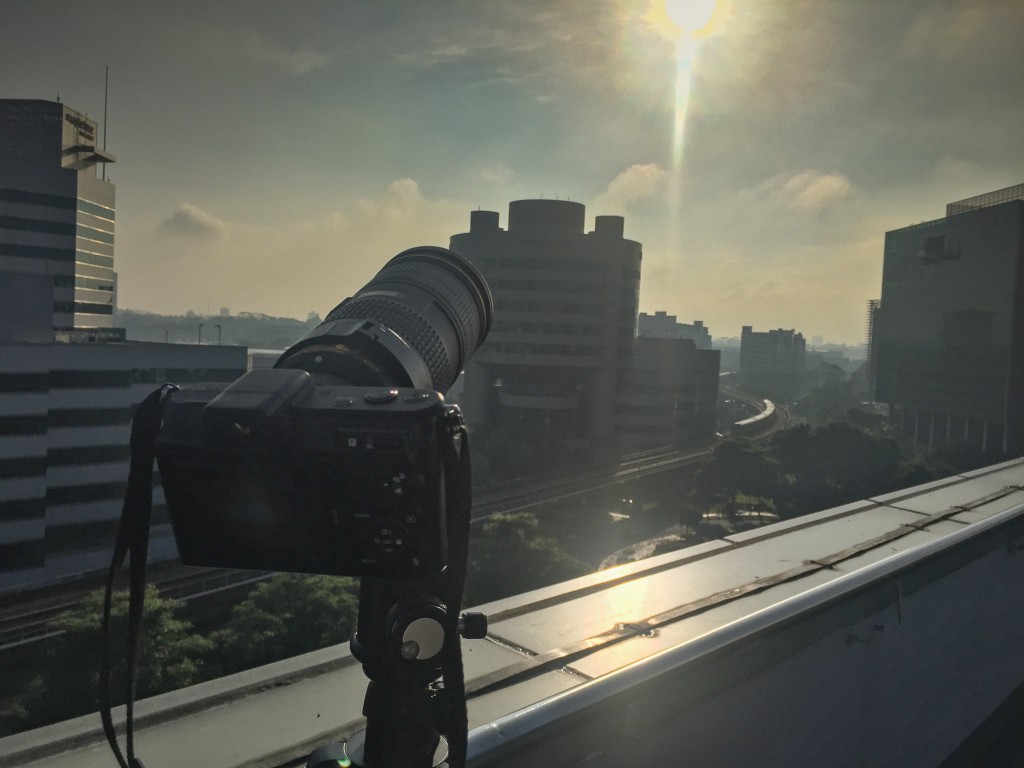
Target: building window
[(23, 382), (34, 424), (95, 210), (28, 466), (94, 234), (35, 198), (93, 417), (23, 554), (92, 454), (36, 252), (37, 225), (87, 308), (23, 509), (94, 258)]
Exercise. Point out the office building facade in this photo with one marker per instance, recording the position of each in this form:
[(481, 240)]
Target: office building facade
[(948, 334), (57, 278), (671, 396), (772, 362), (662, 325), (563, 351), (565, 305), (65, 416)]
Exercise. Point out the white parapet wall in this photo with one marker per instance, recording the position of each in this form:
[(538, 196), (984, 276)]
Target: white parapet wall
[(880, 633)]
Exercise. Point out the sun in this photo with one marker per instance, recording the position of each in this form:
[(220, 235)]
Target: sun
[(679, 19)]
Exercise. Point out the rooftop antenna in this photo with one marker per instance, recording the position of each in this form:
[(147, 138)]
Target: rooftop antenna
[(106, 86)]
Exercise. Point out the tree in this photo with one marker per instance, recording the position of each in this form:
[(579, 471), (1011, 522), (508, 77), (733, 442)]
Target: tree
[(287, 615), (832, 465), (171, 657), (735, 466), (513, 555)]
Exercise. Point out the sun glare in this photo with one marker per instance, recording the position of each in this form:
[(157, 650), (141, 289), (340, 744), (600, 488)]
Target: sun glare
[(679, 19)]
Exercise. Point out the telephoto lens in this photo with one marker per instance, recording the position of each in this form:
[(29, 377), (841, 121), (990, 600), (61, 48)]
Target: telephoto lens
[(413, 325)]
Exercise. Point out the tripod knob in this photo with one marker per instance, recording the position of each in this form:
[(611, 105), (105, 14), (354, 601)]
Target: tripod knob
[(473, 626), (423, 639)]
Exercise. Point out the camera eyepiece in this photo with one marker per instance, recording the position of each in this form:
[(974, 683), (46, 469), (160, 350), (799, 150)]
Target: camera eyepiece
[(413, 325)]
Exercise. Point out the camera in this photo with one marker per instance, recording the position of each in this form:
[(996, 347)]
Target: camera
[(333, 461)]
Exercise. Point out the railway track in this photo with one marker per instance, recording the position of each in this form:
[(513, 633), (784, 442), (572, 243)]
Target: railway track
[(33, 622)]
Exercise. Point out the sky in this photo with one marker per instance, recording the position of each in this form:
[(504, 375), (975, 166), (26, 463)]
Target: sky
[(272, 156)]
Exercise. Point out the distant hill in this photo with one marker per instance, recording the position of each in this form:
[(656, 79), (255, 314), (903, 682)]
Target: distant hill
[(248, 329)]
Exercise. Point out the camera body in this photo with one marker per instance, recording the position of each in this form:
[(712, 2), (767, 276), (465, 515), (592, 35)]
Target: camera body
[(277, 471)]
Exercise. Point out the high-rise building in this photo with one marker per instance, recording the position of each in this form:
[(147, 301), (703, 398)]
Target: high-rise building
[(57, 277), (563, 351), (671, 396), (661, 325), (564, 328), (772, 362), (948, 335)]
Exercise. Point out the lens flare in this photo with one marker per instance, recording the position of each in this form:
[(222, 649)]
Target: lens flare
[(693, 17), (688, 23)]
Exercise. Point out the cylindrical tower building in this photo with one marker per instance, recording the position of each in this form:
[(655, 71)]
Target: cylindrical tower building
[(565, 314)]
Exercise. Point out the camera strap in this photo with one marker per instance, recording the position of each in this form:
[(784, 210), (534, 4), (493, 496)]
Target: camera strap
[(132, 542), (458, 506)]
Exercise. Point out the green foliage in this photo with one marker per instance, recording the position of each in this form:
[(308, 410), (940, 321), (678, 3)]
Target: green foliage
[(832, 465), (736, 466), (834, 396), (67, 683), (287, 615), (512, 555)]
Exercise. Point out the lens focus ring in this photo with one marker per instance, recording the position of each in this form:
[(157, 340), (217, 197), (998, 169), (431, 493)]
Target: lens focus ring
[(409, 324), (452, 296)]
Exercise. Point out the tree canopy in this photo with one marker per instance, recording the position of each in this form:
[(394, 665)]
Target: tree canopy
[(512, 555), (67, 684), (287, 615)]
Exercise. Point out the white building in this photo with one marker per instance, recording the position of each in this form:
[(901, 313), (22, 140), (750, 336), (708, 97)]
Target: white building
[(65, 419)]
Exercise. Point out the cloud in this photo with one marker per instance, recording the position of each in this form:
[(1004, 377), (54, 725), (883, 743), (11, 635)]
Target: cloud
[(287, 267), (495, 173), (638, 182), (433, 57), (813, 191), (296, 61), (193, 223), (952, 30)]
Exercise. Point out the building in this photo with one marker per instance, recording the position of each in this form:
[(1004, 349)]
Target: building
[(664, 326), (563, 352), (671, 396), (564, 330), (772, 362), (57, 275), (65, 415), (948, 335)]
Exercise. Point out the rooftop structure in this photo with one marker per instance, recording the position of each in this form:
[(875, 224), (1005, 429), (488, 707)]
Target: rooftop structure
[(987, 200), (56, 226), (664, 326)]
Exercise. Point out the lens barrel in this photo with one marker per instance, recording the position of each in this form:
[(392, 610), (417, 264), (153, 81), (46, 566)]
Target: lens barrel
[(416, 323)]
